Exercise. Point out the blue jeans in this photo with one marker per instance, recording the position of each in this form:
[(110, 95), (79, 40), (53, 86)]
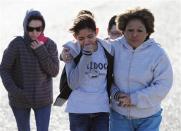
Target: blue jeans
[(119, 122), (89, 122), (42, 116)]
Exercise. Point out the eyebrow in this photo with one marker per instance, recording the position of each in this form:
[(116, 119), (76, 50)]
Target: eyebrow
[(86, 36), (141, 26)]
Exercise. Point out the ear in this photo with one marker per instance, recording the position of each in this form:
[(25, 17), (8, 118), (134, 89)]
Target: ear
[(97, 31), (75, 36)]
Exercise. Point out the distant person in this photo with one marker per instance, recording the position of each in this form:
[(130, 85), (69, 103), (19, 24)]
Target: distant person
[(90, 78), (112, 30), (87, 12), (143, 75), (27, 68)]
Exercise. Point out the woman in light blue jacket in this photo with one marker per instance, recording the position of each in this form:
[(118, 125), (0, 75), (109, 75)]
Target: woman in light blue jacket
[(142, 75)]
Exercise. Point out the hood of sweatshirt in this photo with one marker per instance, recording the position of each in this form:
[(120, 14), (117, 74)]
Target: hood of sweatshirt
[(30, 15), (144, 45)]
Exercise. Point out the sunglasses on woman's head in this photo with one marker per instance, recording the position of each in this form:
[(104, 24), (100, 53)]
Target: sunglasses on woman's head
[(31, 29)]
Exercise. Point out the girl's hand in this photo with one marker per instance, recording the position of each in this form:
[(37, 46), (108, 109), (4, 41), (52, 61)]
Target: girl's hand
[(65, 55)]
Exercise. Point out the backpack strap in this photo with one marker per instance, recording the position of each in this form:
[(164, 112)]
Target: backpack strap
[(109, 76), (77, 58), (64, 88)]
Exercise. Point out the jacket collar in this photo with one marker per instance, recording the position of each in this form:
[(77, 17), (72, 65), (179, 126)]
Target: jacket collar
[(144, 45)]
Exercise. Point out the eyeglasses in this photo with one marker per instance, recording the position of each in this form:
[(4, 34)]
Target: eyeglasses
[(31, 29)]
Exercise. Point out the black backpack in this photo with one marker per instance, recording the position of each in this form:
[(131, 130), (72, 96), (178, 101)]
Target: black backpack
[(65, 90)]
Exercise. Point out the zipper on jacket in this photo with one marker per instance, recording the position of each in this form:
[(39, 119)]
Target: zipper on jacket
[(129, 90)]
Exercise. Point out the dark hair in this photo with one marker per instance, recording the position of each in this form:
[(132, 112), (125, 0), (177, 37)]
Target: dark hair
[(87, 12), (144, 15), (112, 22), (36, 18), (83, 22)]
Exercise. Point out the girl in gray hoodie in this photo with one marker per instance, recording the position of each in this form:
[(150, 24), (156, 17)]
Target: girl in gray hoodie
[(88, 103)]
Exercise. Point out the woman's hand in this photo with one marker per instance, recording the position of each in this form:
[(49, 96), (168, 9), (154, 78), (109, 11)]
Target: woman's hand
[(124, 100), (65, 55), (35, 44)]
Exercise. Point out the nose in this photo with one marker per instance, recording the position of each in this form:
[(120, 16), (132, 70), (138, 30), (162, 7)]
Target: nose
[(35, 33), (87, 41), (135, 34)]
